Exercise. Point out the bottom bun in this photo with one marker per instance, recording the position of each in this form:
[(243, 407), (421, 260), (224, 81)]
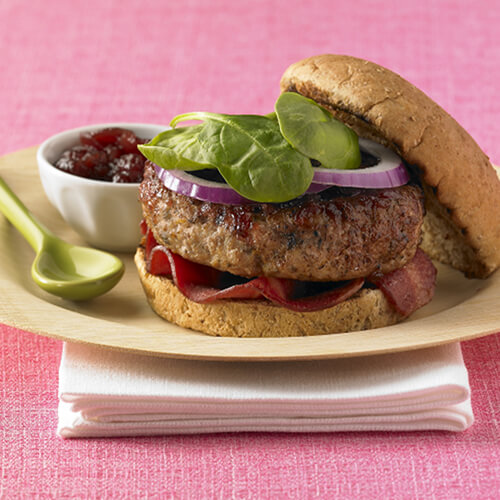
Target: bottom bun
[(260, 318)]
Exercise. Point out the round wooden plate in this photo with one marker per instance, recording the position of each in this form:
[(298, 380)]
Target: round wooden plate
[(462, 309)]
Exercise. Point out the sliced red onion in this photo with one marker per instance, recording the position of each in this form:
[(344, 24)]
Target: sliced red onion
[(183, 182), (389, 172)]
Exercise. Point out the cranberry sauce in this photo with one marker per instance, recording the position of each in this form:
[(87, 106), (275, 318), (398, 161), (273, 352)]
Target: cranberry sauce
[(109, 154)]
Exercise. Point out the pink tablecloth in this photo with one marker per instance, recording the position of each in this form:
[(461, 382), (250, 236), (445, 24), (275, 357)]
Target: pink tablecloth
[(64, 64)]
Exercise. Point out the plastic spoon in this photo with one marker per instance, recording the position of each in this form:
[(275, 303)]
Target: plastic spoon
[(68, 271)]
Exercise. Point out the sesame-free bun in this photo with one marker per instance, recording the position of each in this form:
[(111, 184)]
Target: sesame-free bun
[(462, 189), (260, 318)]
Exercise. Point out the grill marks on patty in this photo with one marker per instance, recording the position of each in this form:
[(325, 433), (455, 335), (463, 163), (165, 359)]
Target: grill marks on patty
[(335, 235)]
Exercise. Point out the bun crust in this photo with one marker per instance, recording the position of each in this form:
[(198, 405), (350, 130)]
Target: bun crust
[(260, 318), (462, 189)]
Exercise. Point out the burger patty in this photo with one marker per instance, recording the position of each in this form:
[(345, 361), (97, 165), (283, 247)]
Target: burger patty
[(335, 235)]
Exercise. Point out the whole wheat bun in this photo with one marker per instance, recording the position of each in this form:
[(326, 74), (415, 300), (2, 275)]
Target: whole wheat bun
[(260, 318), (462, 189)]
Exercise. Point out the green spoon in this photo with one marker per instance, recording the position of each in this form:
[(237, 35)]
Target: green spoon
[(68, 271)]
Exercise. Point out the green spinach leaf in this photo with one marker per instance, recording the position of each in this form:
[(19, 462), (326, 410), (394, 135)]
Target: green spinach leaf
[(177, 149), (314, 132)]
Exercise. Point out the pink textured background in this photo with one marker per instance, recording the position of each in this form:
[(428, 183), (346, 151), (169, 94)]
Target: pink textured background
[(64, 64)]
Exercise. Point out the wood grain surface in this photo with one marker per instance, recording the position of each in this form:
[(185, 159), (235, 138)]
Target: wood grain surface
[(462, 309)]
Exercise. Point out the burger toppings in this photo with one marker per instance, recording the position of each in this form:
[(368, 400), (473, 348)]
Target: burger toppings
[(407, 289), (272, 158), (380, 168)]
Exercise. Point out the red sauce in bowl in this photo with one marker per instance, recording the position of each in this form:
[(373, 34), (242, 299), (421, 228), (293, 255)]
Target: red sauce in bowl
[(109, 154)]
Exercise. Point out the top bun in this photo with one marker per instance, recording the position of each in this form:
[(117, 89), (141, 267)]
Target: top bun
[(461, 186)]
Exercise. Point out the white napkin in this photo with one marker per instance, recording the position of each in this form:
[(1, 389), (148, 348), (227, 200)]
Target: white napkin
[(110, 393)]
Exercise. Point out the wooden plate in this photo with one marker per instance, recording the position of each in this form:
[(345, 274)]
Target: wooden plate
[(462, 309)]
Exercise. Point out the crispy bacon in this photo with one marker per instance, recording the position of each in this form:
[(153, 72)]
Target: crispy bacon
[(410, 287)]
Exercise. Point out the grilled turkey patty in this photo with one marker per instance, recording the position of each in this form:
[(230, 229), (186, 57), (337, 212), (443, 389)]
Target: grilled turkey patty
[(335, 235)]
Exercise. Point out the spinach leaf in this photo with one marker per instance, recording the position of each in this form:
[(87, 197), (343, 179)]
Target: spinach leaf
[(251, 154), (177, 149), (314, 132)]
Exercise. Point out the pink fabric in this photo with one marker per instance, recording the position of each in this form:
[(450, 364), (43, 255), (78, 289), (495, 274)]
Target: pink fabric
[(64, 64)]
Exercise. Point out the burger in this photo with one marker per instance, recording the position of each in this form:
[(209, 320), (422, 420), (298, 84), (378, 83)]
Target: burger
[(322, 217)]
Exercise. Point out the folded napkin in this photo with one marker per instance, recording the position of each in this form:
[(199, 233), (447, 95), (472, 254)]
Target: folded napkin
[(110, 393)]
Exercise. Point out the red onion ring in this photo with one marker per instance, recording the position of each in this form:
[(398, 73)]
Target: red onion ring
[(389, 172), (183, 182)]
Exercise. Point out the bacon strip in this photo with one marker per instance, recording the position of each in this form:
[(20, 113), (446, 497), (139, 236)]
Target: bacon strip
[(411, 287)]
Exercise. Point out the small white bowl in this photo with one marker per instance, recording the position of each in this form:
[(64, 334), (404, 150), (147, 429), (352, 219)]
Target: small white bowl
[(106, 214)]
